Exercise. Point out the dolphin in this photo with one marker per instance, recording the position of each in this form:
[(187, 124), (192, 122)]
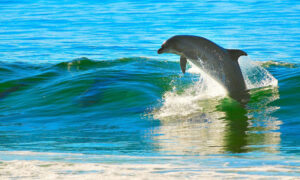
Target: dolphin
[(220, 63)]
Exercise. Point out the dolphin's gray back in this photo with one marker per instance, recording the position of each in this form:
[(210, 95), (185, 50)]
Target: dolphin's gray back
[(215, 60)]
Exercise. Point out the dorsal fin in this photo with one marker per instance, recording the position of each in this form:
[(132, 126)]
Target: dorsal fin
[(183, 63), (236, 53)]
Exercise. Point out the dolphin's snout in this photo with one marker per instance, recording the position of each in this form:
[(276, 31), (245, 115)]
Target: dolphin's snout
[(160, 50)]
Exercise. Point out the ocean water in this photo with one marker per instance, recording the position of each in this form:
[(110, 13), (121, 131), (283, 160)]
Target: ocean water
[(84, 94)]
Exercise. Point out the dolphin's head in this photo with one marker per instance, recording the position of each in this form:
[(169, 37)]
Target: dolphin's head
[(165, 48), (162, 49), (170, 46)]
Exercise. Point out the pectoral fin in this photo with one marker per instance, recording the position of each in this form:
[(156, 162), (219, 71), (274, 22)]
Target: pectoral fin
[(183, 63)]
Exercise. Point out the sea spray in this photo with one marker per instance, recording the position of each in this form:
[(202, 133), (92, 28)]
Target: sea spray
[(185, 103), (256, 76), (176, 104)]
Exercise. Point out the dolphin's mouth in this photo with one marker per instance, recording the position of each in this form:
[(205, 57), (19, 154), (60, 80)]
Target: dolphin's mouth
[(160, 50)]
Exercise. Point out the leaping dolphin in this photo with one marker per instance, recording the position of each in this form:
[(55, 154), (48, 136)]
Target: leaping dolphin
[(220, 63)]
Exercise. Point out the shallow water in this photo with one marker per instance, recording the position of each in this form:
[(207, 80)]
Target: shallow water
[(80, 82)]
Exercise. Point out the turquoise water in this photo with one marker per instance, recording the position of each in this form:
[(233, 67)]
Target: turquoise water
[(83, 77)]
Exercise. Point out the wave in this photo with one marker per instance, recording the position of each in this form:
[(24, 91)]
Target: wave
[(116, 95), (35, 165), (123, 86), (268, 64), (138, 82), (157, 170)]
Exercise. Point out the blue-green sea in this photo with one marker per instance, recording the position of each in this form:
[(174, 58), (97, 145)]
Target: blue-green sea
[(83, 89)]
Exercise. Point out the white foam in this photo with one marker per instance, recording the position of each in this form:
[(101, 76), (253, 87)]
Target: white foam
[(49, 170), (185, 103)]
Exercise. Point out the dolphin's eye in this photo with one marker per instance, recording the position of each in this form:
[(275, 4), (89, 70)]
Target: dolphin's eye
[(165, 44)]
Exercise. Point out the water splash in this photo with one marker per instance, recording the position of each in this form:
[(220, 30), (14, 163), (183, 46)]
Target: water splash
[(256, 76), (186, 103), (176, 104)]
